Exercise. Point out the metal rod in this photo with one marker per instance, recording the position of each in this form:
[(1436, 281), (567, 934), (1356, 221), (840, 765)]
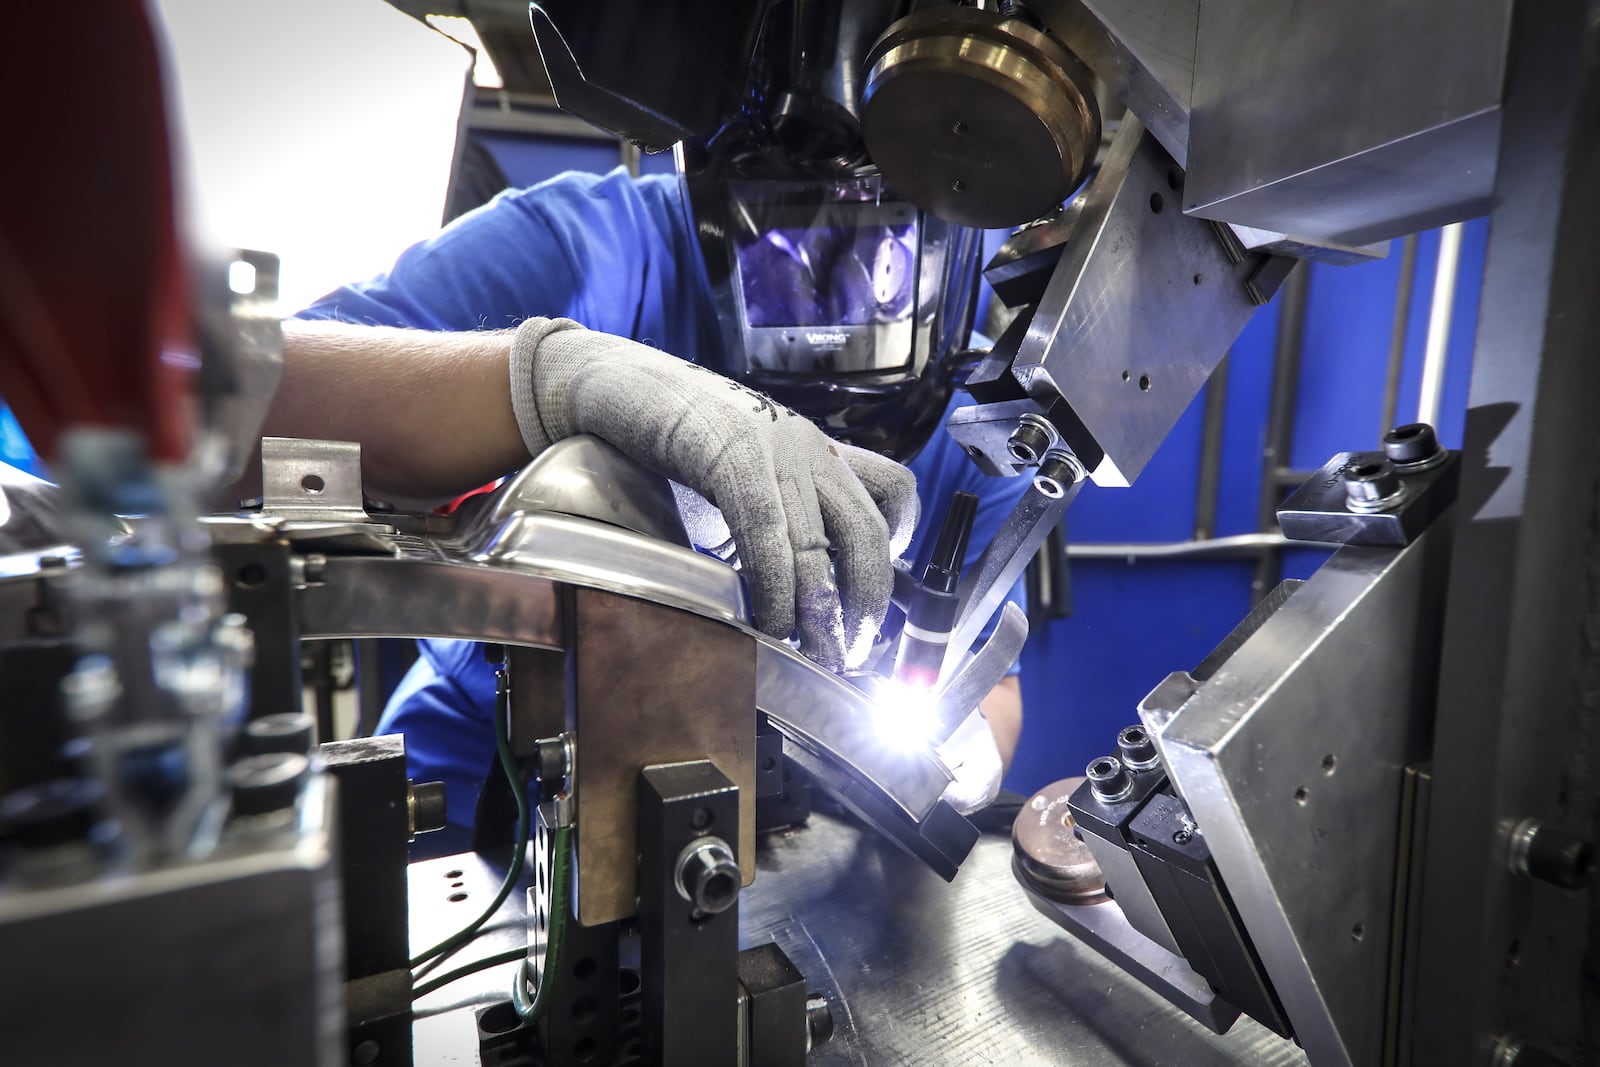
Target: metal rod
[(1436, 352), (1397, 335), (1280, 419), (1236, 546), (985, 584), (1209, 480)]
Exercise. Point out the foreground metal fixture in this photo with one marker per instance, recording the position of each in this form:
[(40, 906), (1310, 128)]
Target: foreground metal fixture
[(1313, 164), (1103, 358), (265, 905), (512, 571), (1299, 799)]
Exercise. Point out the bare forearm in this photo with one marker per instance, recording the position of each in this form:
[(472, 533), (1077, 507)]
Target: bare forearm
[(1002, 707), (432, 411)]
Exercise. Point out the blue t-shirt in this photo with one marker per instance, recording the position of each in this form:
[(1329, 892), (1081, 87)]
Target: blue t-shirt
[(619, 255)]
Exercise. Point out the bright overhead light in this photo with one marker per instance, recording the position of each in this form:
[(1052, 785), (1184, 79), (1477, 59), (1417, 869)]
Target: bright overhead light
[(485, 75), (321, 131)]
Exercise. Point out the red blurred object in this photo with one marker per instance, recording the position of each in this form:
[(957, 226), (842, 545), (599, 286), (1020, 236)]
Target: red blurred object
[(92, 282)]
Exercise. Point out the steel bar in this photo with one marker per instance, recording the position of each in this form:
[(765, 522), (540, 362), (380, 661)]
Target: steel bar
[(1209, 479), (1437, 351), (1280, 419), (986, 584), (1397, 336)]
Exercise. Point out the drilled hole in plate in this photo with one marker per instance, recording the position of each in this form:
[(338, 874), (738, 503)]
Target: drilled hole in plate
[(452, 874), (1157, 202), (1329, 762), (1144, 382), (456, 898), (313, 484), (1302, 795)]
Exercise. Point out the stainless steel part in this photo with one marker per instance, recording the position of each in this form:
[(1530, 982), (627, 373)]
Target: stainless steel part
[(1349, 122), (1127, 359), (585, 476), (973, 680), (985, 584), (1291, 755), (1440, 311), (964, 973), (1517, 728), (235, 959), (1144, 50), (314, 481), (496, 578)]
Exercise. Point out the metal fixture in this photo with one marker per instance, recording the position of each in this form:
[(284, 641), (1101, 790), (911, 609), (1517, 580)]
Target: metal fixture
[(1136, 749), (1436, 350), (1413, 447), (1109, 779), (1373, 485), (1032, 438), (707, 875)]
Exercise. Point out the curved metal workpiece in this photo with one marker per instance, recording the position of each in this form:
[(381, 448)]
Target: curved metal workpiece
[(497, 575), (586, 477)]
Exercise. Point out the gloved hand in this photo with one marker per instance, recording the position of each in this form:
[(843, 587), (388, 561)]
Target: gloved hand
[(785, 489)]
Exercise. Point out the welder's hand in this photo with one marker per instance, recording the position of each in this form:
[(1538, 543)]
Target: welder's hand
[(788, 493)]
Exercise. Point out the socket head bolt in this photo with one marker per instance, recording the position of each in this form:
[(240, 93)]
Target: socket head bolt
[(1109, 780), (1031, 439), (1551, 855), (1413, 447), (267, 783), (1137, 749), (1373, 485), (707, 876)]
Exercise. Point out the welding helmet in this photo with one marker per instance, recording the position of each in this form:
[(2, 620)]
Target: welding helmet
[(835, 295)]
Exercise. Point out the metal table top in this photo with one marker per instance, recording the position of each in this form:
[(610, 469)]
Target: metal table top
[(917, 971)]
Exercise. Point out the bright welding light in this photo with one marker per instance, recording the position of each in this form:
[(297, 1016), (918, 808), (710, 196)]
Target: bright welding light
[(905, 716)]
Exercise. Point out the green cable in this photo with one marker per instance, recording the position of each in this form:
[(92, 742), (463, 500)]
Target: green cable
[(555, 941), (508, 956), (508, 764)]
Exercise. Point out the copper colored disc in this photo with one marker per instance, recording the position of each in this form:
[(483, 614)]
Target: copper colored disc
[(1049, 854), (980, 119)]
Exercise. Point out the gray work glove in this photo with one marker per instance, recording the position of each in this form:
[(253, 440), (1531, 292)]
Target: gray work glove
[(786, 491)]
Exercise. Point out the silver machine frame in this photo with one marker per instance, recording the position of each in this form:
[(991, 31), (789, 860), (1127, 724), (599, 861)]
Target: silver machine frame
[(1363, 751)]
